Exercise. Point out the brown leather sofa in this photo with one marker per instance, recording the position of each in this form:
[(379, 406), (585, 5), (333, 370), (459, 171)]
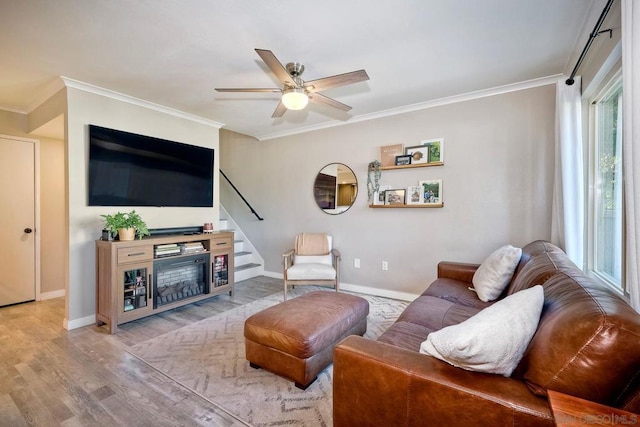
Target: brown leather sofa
[(587, 344)]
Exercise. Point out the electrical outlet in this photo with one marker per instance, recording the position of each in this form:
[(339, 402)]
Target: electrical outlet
[(385, 265), (356, 263)]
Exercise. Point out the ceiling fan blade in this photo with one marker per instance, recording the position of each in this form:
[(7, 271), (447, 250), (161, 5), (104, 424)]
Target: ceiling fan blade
[(325, 100), (335, 81), (280, 110), (239, 89), (276, 67)]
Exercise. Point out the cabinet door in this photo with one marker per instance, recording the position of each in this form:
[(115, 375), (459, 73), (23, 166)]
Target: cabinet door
[(220, 270), (134, 291)]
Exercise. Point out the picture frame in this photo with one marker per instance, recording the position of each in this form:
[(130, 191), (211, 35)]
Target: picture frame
[(378, 196), (388, 154), (403, 160), (436, 149), (415, 195), (394, 196), (432, 191), (419, 154)]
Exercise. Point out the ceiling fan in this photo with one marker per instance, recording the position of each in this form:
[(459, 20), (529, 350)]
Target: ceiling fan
[(296, 93)]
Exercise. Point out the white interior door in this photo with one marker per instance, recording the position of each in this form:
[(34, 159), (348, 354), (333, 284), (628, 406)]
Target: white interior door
[(17, 216)]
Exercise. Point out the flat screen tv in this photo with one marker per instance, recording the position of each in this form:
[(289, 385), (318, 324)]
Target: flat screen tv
[(126, 169)]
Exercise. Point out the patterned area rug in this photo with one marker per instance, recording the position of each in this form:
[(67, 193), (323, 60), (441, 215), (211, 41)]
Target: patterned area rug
[(208, 357)]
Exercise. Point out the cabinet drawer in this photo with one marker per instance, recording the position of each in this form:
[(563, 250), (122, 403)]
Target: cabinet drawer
[(136, 253), (221, 242)]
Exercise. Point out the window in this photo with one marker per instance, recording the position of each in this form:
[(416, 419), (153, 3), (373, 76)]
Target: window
[(606, 210)]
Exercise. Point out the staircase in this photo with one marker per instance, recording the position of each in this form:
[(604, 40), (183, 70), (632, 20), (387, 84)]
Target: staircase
[(247, 261)]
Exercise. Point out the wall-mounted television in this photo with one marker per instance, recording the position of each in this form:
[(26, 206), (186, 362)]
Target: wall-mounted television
[(126, 169)]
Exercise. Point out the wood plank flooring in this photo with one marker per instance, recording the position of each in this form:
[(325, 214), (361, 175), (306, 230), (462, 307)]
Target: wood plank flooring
[(84, 377)]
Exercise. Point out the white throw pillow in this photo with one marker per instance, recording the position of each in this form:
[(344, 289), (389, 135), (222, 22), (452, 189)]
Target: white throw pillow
[(495, 273), (495, 339)]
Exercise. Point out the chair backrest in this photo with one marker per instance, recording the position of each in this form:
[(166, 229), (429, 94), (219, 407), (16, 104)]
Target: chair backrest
[(316, 259)]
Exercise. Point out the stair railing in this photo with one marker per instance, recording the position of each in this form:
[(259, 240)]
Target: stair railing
[(253, 211)]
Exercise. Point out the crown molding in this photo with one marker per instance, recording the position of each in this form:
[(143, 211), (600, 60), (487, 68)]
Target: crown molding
[(499, 90), (86, 87)]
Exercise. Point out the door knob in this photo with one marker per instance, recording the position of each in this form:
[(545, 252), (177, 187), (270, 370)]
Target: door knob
[(28, 230)]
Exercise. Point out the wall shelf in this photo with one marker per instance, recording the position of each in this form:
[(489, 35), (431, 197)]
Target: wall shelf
[(431, 205), (419, 165)]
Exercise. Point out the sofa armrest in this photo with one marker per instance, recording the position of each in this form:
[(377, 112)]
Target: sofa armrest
[(377, 384), (460, 271)]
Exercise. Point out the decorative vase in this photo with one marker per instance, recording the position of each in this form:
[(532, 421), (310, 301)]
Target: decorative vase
[(126, 233)]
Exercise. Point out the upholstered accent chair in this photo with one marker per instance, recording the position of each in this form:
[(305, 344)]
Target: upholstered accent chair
[(313, 261)]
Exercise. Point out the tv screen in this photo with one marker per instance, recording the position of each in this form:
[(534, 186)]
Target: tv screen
[(126, 169)]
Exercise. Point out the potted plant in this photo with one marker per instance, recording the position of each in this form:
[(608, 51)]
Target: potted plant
[(126, 225)]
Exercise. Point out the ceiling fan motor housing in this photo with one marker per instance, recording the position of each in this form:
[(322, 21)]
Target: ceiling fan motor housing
[(295, 69)]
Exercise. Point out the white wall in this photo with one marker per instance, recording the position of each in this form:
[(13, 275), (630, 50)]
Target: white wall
[(497, 182), (85, 223)]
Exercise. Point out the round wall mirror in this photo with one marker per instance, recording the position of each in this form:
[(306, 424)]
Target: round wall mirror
[(335, 188)]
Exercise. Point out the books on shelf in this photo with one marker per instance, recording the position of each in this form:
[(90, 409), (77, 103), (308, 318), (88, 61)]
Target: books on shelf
[(191, 247), (167, 249)]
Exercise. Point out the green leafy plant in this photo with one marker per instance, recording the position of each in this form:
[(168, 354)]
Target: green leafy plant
[(119, 220)]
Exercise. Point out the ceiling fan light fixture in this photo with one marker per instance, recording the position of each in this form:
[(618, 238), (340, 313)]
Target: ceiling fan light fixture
[(295, 98)]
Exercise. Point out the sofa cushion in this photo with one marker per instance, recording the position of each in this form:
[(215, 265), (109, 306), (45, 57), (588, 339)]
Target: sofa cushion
[(457, 292), (436, 313), (494, 274), (540, 260), (587, 344), (493, 340), (405, 335), (311, 271)]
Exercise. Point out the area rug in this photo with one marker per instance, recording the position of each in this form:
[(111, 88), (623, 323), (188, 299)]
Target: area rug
[(208, 358)]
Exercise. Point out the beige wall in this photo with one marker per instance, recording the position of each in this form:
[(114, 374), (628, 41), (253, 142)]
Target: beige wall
[(85, 223), (497, 183), (52, 216)]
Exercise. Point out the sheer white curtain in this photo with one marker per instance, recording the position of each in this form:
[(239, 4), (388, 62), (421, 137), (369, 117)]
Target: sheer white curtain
[(567, 219), (631, 130)]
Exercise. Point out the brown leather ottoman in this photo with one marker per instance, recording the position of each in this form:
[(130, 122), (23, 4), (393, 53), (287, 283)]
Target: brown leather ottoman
[(296, 338)]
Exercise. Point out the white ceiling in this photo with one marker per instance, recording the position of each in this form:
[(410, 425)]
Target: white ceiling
[(174, 53)]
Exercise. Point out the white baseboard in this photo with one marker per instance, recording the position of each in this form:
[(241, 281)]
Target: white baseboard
[(52, 294), (273, 275), (386, 293), (78, 323)]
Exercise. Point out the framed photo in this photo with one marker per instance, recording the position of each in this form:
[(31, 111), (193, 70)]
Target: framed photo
[(431, 191), (415, 195), (388, 154), (378, 196), (403, 160), (436, 149), (394, 197), (418, 154)]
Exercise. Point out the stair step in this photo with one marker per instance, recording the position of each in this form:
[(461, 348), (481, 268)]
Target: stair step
[(246, 266), (242, 253)]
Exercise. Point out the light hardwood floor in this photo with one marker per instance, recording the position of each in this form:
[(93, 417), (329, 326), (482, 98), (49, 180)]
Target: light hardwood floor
[(84, 377)]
